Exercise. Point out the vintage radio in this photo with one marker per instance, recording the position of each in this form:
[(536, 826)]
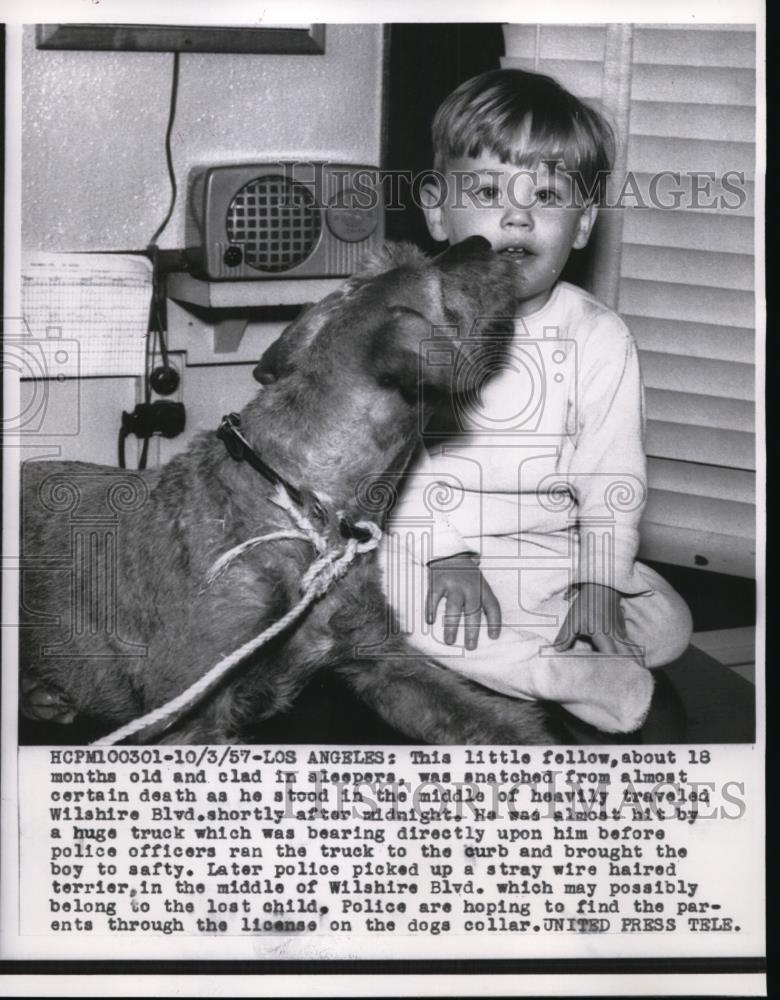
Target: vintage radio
[(279, 220)]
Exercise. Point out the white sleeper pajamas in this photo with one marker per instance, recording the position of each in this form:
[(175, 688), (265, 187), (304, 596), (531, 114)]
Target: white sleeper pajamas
[(546, 484)]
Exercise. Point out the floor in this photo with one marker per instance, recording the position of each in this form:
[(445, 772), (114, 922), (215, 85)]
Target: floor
[(697, 700), (733, 647)]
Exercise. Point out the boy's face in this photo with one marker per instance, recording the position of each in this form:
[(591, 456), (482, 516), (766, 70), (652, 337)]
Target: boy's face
[(526, 214)]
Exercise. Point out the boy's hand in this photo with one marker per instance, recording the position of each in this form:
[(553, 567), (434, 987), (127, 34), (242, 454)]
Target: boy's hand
[(596, 614), (458, 579)]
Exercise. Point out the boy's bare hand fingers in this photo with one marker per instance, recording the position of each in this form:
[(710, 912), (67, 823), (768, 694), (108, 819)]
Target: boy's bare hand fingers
[(431, 603), (466, 595), (492, 611), (453, 609), (451, 630), (436, 590), (471, 621)]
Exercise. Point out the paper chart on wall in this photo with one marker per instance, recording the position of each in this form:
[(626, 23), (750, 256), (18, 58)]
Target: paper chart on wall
[(86, 313)]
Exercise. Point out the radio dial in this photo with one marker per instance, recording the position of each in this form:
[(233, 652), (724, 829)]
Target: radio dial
[(233, 256), (349, 216)]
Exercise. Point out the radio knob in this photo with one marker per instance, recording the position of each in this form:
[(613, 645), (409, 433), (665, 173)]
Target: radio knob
[(353, 215), (233, 256)]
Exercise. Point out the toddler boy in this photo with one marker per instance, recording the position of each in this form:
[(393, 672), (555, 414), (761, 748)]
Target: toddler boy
[(528, 518)]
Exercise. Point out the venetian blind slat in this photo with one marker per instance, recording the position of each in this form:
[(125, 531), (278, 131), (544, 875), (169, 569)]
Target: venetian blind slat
[(725, 517), (694, 340), (704, 411), (702, 268), (697, 376), (698, 480), (692, 121), (677, 190), (715, 47), (650, 154), (711, 446), (555, 41), (668, 300), (719, 233), (694, 85)]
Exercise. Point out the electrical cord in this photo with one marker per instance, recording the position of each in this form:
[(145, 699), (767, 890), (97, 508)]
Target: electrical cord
[(121, 447), (168, 154), (151, 338), (134, 423)]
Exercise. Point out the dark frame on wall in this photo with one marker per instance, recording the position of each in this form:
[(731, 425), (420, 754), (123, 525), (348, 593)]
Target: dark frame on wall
[(289, 40)]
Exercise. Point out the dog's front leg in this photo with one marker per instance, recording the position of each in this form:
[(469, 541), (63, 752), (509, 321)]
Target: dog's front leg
[(231, 613), (420, 697), (434, 705), (215, 623)]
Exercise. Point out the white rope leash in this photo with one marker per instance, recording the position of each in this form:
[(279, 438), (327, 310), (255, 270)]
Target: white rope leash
[(320, 576)]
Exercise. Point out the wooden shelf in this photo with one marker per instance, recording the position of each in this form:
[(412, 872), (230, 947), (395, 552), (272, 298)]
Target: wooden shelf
[(249, 294)]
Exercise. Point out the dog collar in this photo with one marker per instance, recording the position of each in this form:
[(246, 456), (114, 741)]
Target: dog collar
[(239, 449), (229, 431)]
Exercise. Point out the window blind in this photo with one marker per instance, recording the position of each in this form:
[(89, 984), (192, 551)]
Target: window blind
[(683, 276)]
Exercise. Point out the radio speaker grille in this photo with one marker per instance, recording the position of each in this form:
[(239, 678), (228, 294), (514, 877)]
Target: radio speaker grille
[(275, 221)]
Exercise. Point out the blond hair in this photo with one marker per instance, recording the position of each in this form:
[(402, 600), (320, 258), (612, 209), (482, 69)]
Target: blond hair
[(525, 119)]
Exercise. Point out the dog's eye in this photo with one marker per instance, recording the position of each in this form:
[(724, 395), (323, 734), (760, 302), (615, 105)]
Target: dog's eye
[(395, 382)]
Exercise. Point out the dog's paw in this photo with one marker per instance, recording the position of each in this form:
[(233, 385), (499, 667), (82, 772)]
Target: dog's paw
[(495, 720), (529, 724), (44, 703)]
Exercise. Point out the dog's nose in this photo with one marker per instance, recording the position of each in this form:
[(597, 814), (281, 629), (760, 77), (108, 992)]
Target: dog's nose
[(264, 377), (458, 253)]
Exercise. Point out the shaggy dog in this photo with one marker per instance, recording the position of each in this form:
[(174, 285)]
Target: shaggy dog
[(119, 611)]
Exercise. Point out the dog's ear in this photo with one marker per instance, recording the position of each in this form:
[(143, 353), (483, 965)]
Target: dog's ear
[(395, 351), (410, 354)]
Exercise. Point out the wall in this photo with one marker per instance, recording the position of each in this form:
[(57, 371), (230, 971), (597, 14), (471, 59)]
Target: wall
[(94, 173)]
